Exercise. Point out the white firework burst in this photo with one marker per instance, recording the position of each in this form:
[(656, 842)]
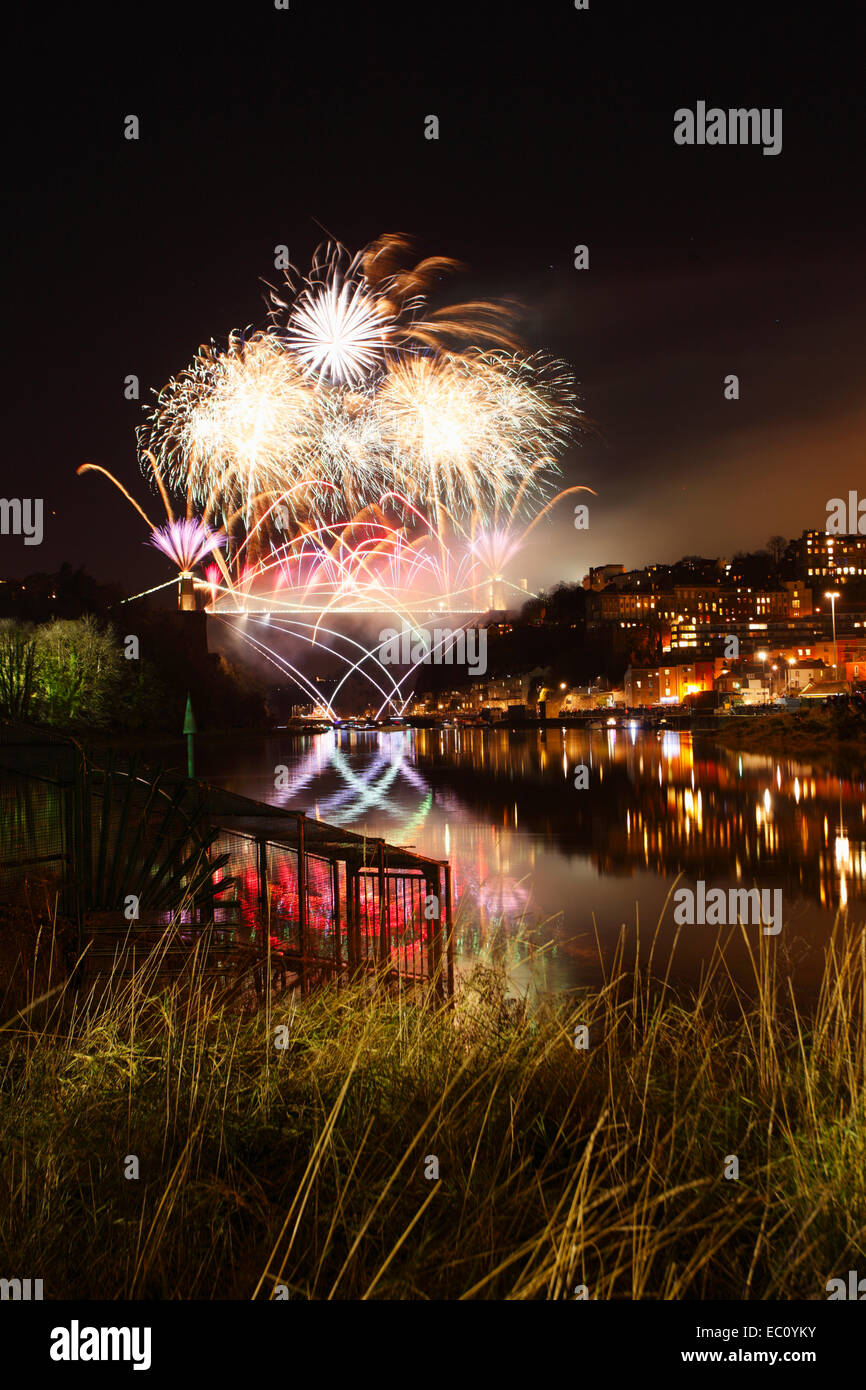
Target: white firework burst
[(339, 331)]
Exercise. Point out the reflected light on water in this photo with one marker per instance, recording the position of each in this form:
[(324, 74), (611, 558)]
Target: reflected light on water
[(502, 808)]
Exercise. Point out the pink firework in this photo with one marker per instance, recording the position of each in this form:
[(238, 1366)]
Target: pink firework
[(213, 576), (186, 542)]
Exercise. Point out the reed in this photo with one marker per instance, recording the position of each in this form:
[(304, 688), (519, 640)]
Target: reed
[(304, 1169)]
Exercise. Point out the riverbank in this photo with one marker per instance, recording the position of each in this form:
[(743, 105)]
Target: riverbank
[(813, 731), (819, 729), (393, 1150)]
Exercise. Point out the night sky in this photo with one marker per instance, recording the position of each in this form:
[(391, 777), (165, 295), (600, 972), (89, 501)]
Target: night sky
[(261, 127)]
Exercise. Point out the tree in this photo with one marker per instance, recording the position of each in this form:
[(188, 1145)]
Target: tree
[(17, 672), (80, 671), (777, 545)]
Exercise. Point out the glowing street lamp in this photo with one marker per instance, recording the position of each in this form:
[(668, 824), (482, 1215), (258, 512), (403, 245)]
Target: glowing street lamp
[(832, 595), (762, 657)]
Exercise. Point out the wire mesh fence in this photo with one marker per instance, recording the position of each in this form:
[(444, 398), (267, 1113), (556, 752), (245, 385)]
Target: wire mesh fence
[(33, 830)]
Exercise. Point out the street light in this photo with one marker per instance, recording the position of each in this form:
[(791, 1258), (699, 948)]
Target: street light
[(832, 595), (762, 657)]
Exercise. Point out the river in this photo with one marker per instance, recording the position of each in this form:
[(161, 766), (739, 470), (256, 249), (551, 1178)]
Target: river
[(549, 873)]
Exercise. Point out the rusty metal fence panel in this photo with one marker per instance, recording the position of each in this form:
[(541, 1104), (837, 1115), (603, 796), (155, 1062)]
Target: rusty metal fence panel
[(402, 933)]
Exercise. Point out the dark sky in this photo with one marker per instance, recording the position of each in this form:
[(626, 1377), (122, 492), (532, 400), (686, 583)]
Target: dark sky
[(556, 128)]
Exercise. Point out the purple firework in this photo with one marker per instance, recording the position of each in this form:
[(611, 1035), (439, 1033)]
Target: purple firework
[(186, 542)]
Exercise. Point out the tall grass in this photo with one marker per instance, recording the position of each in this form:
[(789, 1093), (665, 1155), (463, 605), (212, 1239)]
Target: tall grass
[(304, 1169)]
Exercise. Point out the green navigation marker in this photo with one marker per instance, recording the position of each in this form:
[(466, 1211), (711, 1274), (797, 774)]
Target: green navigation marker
[(189, 729)]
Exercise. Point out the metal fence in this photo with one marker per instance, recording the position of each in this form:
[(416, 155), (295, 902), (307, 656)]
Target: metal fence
[(346, 915), (329, 902), (33, 834)]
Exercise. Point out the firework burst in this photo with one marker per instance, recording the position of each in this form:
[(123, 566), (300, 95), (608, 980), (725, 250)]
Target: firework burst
[(368, 452), (186, 542), (338, 332), (235, 427), (473, 432), (352, 394), (353, 314)]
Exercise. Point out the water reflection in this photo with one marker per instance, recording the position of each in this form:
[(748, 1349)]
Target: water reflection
[(568, 855)]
